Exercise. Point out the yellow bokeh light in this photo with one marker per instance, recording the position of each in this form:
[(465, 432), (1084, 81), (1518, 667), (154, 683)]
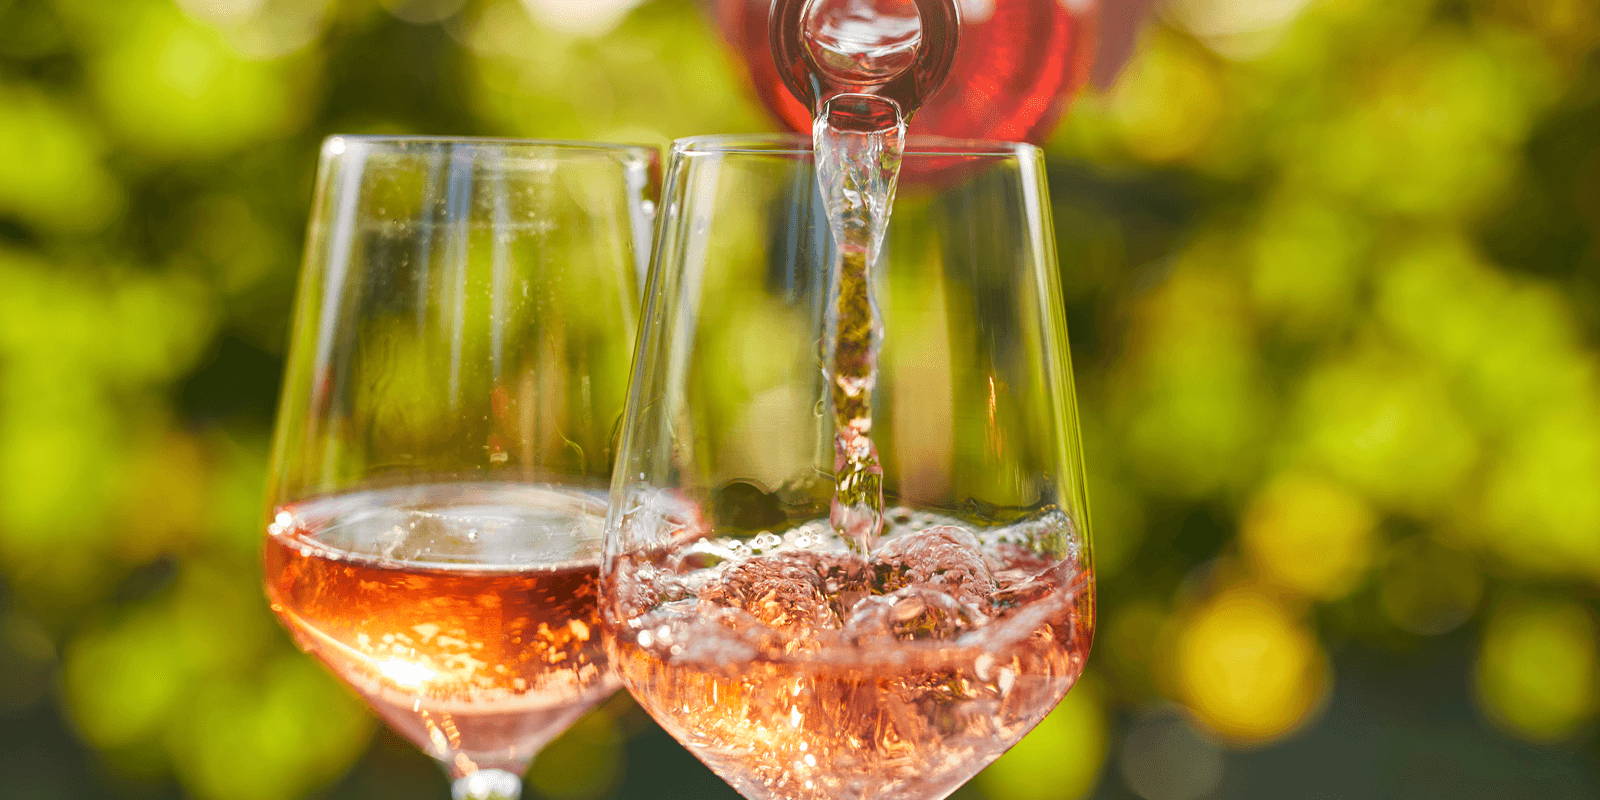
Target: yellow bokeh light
[(1060, 760), (1305, 263), (1541, 510), (62, 184), (1190, 387), (1309, 535), (1166, 104), (583, 763), (1238, 29), (1427, 588), (1395, 432), (119, 684), (1538, 668), (1247, 668), (169, 86)]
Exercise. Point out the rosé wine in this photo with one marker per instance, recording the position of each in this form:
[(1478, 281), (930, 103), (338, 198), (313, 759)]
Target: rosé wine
[(465, 614), (797, 669)]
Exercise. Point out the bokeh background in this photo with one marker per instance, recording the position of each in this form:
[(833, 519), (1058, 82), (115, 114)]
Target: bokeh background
[(1333, 269)]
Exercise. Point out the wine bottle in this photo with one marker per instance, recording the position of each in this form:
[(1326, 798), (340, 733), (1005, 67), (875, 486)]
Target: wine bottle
[(1017, 65)]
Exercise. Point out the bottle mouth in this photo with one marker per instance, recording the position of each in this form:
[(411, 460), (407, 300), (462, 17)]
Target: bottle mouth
[(860, 113)]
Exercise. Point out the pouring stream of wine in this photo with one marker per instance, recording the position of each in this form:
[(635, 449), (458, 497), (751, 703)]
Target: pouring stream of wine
[(858, 140)]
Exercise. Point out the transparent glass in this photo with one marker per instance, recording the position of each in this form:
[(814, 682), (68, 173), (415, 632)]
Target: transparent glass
[(457, 370), (792, 663)]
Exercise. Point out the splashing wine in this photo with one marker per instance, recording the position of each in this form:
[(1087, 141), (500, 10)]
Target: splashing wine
[(798, 668)]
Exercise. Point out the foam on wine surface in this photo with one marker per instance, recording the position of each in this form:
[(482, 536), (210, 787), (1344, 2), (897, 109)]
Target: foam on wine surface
[(464, 613), (799, 668)]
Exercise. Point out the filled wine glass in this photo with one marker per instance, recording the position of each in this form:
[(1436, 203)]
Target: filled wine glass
[(847, 552), (457, 370)]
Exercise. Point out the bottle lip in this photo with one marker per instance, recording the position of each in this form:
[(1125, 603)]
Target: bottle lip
[(795, 145)]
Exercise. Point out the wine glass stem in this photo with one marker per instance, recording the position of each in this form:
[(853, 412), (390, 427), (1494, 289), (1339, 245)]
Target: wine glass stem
[(487, 784)]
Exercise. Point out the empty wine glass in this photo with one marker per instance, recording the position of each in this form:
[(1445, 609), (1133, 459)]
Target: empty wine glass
[(799, 660), (457, 368)]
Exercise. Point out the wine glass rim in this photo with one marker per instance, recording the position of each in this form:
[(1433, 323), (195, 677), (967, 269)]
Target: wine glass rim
[(777, 144), (340, 141)]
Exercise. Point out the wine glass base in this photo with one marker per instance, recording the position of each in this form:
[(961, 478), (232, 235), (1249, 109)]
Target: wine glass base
[(487, 784)]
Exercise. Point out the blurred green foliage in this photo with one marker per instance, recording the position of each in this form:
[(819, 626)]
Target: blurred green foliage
[(1333, 269)]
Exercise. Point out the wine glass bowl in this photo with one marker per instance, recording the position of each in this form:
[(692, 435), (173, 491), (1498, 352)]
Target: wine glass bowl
[(456, 373), (796, 661), (463, 613)]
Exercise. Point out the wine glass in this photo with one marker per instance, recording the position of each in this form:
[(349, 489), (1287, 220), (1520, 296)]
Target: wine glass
[(457, 368), (794, 659)]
